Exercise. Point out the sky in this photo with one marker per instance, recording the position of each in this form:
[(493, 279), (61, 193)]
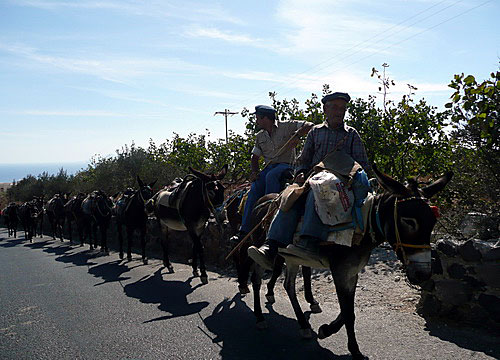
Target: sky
[(84, 78)]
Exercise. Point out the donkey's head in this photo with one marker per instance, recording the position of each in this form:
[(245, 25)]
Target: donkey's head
[(213, 185), (407, 220), (145, 191)]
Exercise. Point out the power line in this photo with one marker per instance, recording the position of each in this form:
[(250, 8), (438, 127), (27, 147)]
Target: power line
[(375, 36)]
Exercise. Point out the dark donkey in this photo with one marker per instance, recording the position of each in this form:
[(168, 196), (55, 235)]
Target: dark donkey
[(401, 215), (200, 194), (56, 215), (26, 214), (38, 216), (130, 211), (10, 216), (246, 267), (74, 212), (97, 210)]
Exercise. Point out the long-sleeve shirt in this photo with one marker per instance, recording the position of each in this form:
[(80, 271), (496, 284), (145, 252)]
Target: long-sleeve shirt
[(322, 139)]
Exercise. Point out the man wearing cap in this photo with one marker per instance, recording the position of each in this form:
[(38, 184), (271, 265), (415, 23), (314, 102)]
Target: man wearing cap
[(322, 140), (272, 143)]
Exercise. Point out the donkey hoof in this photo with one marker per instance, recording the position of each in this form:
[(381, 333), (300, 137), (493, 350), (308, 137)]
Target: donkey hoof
[(306, 333), (315, 308), (261, 325), (129, 258), (196, 273), (145, 261), (321, 332), (204, 279), (170, 269), (243, 289), (270, 299), (121, 256)]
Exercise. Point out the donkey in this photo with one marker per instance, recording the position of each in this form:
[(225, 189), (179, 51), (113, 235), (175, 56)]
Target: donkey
[(55, 212), (97, 209), (25, 214), (74, 212), (246, 267), (130, 211), (38, 215), (200, 194), (10, 215), (401, 215)]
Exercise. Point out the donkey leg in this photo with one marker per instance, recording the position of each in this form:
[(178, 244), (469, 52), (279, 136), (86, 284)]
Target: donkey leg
[(70, 232), (194, 261), (278, 268), (164, 247), (130, 239), (313, 304), (290, 277), (346, 288), (256, 278), (243, 264), (120, 239), (143, 245)]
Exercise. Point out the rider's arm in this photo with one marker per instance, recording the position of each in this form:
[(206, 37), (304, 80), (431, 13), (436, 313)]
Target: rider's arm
[(254, 162)]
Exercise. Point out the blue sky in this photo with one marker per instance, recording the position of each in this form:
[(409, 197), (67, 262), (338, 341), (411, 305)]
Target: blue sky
[(79, 78)]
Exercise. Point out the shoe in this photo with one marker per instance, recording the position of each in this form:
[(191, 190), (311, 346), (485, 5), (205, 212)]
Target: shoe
[(262, 256)]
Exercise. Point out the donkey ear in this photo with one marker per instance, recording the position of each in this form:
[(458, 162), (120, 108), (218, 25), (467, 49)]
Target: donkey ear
[(139, 181), (389, 184), (222, 173), (436, 186), (153, 183), (199, 174)]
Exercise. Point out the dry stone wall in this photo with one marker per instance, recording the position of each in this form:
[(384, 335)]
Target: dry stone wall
[(465, 285)]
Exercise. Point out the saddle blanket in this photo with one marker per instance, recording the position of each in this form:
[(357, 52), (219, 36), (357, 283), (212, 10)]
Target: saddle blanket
[(333, 200)]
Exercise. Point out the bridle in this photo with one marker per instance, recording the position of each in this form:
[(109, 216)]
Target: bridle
[(207, 200), (399, 245)]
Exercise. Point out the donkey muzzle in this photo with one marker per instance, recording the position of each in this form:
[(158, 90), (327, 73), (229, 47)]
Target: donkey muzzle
[(419, 267)]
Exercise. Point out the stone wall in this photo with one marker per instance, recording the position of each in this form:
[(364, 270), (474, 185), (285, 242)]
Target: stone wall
[(465, 285)]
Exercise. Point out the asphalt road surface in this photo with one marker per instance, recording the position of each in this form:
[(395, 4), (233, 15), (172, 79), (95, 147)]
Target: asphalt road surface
[(61, 301)]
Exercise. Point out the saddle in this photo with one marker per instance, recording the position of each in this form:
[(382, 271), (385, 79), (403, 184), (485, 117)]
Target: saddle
[(174, 194)]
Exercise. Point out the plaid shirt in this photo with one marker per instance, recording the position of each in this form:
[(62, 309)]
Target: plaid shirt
[(322, 139)]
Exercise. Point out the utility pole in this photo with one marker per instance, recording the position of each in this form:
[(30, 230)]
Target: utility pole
[(226, 112)]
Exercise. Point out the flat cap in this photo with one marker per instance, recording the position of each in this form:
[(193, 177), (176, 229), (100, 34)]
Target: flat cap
[(336, 95), (264, 110)]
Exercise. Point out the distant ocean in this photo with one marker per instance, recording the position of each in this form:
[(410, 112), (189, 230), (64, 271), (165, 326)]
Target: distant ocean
[(9, 172)]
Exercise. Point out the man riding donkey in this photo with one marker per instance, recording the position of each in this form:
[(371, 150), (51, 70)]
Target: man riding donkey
[(333, 146), (275, 142)]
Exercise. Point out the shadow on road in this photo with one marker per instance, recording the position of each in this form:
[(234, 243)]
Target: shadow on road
[(111, 272), (170, 295), (11, 243), (78, 259), (233, 324), (474, 339)]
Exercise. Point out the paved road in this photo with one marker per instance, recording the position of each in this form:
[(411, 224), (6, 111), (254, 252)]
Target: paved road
[(65, 302)]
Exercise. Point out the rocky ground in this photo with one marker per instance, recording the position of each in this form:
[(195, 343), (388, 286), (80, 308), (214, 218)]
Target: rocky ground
[(381, 284)]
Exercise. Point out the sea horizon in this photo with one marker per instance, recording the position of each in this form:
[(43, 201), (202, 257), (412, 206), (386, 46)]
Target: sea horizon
[(18, 171)]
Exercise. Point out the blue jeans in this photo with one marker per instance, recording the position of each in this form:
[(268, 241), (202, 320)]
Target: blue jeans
[(267, 182), (284, 223)]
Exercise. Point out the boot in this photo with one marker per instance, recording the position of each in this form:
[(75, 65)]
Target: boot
[(264, 255)]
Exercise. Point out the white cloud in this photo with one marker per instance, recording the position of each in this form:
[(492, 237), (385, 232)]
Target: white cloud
[(214, 33)]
